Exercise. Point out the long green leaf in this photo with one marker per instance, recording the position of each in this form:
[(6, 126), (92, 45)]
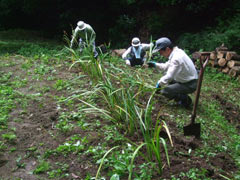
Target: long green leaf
[(166, 150), (133, 157), (100, 166)]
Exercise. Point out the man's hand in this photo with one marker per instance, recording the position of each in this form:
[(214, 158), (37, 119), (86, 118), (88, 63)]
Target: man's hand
[(128, 62), (151, 64)]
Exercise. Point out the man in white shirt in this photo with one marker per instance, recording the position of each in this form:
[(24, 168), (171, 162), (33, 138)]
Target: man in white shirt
[(180, 77), (86, 36), (135, 54)]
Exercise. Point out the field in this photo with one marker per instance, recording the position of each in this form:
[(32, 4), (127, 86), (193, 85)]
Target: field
[(69, 116)]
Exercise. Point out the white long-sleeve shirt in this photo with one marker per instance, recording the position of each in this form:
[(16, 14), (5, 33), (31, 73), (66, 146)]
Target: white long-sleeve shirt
[(142, 47), (179, 68)]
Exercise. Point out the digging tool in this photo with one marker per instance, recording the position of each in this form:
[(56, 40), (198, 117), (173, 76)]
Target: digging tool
[(194, 129)]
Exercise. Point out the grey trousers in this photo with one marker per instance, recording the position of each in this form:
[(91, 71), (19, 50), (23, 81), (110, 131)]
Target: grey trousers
[(178, 91), (82, 45)]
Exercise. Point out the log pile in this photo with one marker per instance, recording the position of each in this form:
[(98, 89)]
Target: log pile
[(226, 61)]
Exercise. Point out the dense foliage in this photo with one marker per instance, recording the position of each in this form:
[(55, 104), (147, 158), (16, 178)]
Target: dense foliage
[(192, 24)]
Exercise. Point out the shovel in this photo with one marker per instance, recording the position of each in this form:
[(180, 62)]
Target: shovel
[(194, 129)]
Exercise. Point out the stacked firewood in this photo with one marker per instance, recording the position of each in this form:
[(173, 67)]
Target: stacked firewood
[(226, 61)]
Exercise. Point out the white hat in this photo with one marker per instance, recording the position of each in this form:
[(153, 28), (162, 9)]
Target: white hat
[(136, 42), (81, 25)]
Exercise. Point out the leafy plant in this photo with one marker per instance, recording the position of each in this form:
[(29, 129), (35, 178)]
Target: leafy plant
[(100, 166), (43, 166), (10, 137), (152, 134)]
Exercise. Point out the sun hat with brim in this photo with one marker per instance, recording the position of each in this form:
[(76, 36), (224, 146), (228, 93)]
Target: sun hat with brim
[(81, 25), (162, 43), (136, 42)]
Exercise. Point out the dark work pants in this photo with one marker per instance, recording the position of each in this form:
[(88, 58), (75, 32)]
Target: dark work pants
[(135, 61), (179, 91)]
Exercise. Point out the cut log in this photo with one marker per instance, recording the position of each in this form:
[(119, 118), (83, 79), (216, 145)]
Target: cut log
[(213, 55), (229, 55), (222, 48), (221, 54), (222, 62), (234, 71), (235, 57), (233, 63), (197, 55), (205, 53), (225, 70), (118, 52), (213, 63)]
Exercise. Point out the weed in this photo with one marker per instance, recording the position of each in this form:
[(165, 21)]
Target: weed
[(2, 146), (42, 167), (9, 137), (102, 160), (61, 172), (75, 145), (195, 174), (19, 163)]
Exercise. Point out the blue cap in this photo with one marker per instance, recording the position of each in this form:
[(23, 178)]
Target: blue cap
[(162, 43)]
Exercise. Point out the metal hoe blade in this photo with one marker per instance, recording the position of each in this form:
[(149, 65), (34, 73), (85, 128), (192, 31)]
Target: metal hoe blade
[(192, 130)]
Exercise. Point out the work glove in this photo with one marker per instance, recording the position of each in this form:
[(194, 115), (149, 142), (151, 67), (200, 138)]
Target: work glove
[(128, 62), (151, 64), (158, 85)]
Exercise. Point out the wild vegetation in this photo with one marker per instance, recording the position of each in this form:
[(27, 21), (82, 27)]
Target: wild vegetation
[(201, 24), (66, 115)]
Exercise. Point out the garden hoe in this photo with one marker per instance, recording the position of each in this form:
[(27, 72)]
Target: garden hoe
[(194, 129)]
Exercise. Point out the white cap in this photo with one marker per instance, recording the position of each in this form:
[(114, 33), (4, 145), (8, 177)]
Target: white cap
[(81, 25), (136, 42)]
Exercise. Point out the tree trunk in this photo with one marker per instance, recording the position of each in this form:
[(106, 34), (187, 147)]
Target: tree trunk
[(234, 71), (233, 63), (222, 62)]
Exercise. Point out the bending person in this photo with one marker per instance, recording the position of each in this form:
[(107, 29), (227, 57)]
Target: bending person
[(180, 77), (135, 54), (86, 35)]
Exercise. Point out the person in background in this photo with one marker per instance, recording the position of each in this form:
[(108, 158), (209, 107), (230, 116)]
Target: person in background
[(180, 77), (86, 35), (135, 54)]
